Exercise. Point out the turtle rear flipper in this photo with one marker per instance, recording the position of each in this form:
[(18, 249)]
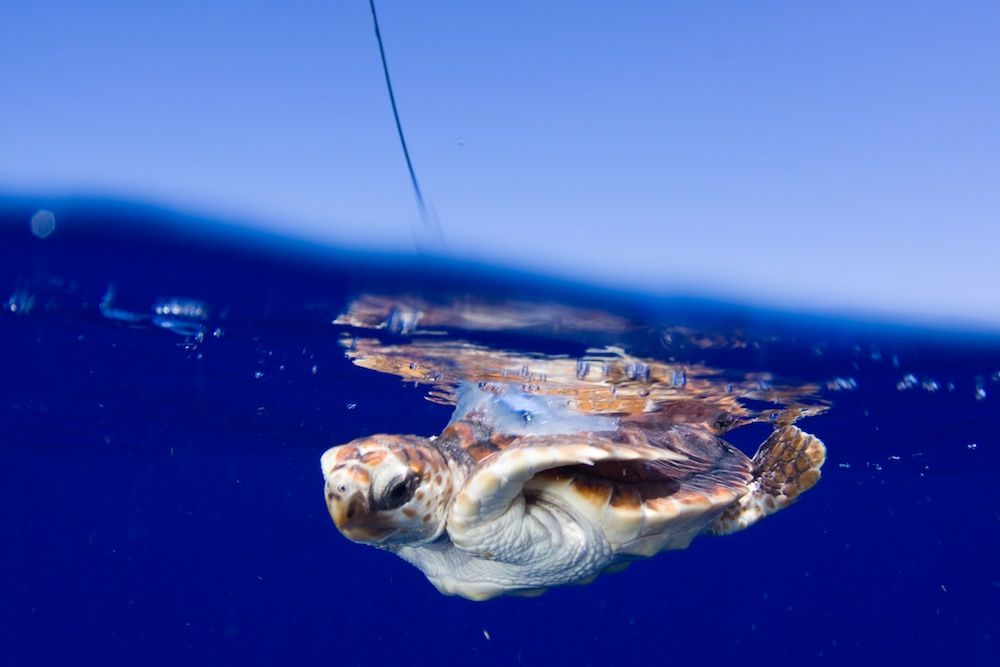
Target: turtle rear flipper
[(787, 464)]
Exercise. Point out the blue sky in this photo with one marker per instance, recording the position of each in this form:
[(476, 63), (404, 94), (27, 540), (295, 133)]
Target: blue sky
[(841, 156)]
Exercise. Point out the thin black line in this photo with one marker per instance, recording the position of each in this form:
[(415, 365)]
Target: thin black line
[(399, 126)]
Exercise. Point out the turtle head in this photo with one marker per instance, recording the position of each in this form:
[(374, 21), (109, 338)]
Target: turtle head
[(388, 490)]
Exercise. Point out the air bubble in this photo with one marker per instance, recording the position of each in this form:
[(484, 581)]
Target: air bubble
[(638, 371), (176, 307), (184, 317), (20, 302), (842, 384)]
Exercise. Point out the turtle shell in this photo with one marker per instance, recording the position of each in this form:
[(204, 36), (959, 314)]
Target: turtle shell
[(642, 506)]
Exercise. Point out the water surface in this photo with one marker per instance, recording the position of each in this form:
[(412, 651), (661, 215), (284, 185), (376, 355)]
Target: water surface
[(167, 390)]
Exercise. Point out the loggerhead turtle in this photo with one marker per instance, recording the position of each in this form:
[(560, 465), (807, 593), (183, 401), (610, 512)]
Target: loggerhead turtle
[(520, 493)]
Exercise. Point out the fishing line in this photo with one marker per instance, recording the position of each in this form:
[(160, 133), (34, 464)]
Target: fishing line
[(431, 225)]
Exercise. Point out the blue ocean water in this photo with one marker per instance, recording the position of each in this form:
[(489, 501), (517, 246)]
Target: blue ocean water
[(168, 386)]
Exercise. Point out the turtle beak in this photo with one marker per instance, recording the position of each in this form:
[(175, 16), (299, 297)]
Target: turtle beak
[(348, 498), (346, 511), (351, 515), (345, 497)]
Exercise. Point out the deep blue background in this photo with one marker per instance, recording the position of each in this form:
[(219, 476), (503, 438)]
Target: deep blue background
[(161, 503)]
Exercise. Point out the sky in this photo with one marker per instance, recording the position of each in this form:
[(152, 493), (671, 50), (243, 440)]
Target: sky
[(842, 157)]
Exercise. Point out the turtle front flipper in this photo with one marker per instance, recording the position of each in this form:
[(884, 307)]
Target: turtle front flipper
[(786, 465), (491, 518)]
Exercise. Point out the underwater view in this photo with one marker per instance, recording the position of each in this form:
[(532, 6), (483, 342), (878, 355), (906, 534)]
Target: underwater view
[(170, 384)]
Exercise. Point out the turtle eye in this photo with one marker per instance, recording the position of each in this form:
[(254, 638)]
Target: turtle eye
[(399, 492)]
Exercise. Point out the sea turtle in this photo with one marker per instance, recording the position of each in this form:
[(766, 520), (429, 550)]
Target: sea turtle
[(520, 492)]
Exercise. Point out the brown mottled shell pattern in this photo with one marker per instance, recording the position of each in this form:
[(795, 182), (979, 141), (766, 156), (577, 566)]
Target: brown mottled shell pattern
[(633, 500)]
